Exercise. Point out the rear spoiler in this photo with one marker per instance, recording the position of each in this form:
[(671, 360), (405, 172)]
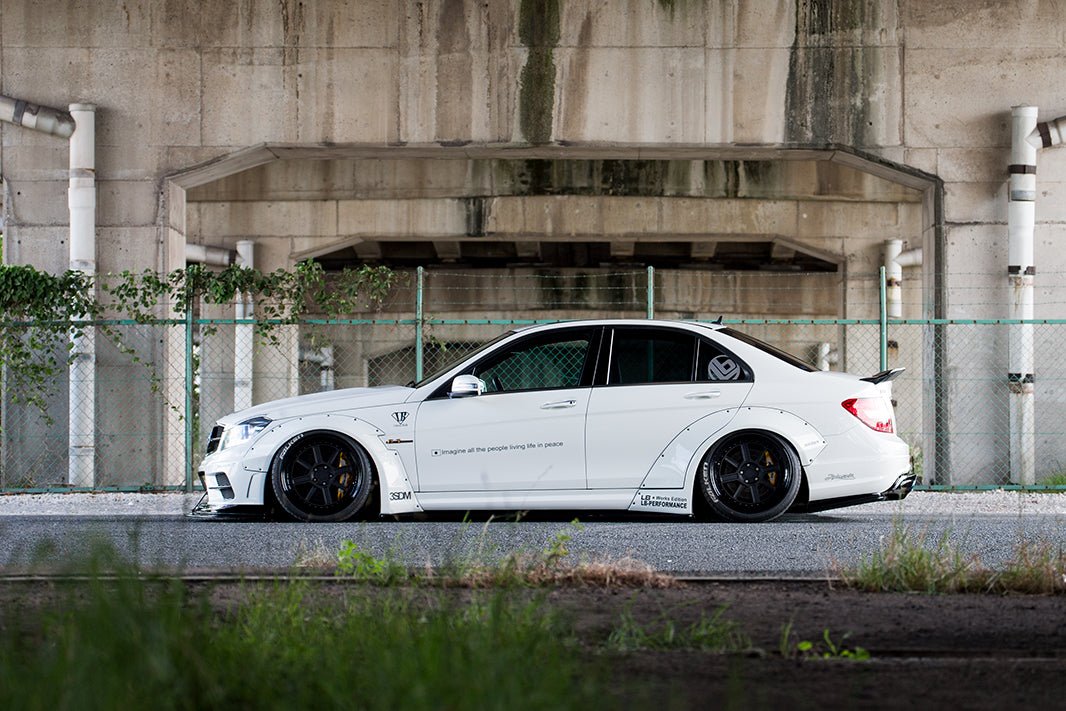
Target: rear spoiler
[(885, 376)]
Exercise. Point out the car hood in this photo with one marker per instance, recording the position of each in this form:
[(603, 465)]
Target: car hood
[(316, 403)]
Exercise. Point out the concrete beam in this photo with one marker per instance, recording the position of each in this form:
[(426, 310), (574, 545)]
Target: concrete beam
[(527, 250), (320, 250), (368, 250), (781, 252), (704, 249), (623, 249), (448, 251)]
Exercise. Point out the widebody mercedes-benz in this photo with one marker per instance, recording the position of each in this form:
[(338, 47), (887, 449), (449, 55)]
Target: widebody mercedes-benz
[(670, 417)]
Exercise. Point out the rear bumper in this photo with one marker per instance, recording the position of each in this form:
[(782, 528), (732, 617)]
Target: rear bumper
[(900, 489), (897, 492)]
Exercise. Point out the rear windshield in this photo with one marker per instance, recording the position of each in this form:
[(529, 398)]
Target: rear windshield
[(767, 348)]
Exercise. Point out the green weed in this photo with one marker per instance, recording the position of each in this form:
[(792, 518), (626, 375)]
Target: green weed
[(1056, 480), (712, 634), (826, 649), (352, 562)]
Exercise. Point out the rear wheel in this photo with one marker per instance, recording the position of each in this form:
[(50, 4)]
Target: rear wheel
[(750, 476), (322, 476)]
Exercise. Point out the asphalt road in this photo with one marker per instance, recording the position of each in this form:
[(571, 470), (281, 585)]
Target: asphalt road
[(990, 526)]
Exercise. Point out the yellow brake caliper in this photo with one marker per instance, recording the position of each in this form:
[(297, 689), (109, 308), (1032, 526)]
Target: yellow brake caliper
[(769, 461), (342, 483)]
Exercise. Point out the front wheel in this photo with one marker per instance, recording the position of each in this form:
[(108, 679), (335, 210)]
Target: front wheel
[(322, 476), (750, 477)]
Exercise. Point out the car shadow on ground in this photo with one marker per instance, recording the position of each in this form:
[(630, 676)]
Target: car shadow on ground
[(259, 515)]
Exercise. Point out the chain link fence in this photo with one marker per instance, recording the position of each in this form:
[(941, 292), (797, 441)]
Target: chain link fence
[(157, 388)]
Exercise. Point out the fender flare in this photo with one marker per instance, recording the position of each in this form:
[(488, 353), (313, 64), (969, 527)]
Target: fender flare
[(797, 432), (806, 440), (396, 493), (677, 468)]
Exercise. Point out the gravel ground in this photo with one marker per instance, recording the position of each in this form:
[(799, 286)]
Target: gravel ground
[(99, 504), (919, 503)]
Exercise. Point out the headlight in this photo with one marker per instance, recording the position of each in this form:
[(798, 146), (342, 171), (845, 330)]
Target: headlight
[(242, 432)]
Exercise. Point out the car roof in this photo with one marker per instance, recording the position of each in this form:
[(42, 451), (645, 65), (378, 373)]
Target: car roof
[(689, 324)]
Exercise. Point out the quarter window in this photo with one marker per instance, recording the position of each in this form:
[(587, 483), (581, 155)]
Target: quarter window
[(714, 364)]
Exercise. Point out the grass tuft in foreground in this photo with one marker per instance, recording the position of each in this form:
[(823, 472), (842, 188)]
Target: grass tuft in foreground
[(481, 568), (906, 562)]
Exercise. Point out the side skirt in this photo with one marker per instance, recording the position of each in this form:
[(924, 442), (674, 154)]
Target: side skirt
[(562, 499)]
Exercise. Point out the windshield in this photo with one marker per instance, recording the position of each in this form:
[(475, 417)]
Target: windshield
[(767, 348), (459, 355)]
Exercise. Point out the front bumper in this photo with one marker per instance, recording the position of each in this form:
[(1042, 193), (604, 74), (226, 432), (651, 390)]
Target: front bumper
[(204, 511), (228, 482)]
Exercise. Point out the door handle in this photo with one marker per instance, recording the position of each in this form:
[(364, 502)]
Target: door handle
[(706, 395), (560, 405)]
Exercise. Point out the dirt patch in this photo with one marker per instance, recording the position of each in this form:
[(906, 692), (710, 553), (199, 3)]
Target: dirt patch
[(926, 651)]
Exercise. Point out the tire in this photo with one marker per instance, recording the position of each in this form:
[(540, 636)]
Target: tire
[(322, 476), (750, 476)]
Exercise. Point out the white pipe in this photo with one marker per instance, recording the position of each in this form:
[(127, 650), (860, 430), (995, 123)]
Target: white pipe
[(244, 335), (39, 118), (323, 358), (81, 201), (1021, 271), (202, 254), (893, 278), (1048, 134), (325, 376), (910, 258), (246, 254), (895, 260), (827, 356)]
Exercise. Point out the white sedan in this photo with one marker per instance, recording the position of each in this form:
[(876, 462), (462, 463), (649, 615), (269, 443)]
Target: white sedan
[(644, 416)]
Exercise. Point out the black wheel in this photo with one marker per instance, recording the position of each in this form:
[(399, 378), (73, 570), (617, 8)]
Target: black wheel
[(750, 476), (322, 476)]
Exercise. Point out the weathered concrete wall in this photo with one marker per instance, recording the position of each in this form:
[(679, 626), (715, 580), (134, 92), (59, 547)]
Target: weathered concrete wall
[(177, 84), (182, 83), (844, 83)]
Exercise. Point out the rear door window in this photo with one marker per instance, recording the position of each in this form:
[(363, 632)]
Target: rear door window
[(645, 355)]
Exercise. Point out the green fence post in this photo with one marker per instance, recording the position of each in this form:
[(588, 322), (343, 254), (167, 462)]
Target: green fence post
[(651, 292), (188, 400), (884, 321), (418, 327)]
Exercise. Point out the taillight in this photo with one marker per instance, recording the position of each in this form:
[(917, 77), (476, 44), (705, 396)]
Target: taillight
[(873, 412)]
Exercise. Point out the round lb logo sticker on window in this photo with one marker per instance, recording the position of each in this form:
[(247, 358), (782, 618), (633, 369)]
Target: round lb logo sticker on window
[(723, 368)]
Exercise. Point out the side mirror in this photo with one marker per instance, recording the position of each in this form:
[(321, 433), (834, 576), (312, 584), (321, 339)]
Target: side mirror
[(466, 386)]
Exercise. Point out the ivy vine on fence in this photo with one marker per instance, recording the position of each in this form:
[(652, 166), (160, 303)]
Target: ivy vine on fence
[(43, 313), (58, 307)]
